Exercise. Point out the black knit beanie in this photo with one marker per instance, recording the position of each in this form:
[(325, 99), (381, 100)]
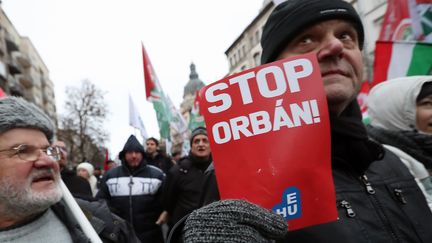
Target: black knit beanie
[(293, 16), (425, 91), (198, 131)]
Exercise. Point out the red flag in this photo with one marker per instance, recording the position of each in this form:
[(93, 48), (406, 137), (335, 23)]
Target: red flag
[(148, 73), (106, 160), (2, 93), (196, 100)]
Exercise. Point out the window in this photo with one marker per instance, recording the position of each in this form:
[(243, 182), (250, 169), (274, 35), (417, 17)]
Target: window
[(257, 58)]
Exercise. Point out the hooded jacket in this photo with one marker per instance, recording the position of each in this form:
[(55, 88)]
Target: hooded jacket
[(134, 194), (392, 112)]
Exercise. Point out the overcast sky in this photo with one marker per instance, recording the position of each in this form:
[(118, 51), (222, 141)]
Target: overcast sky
[(100, 40)]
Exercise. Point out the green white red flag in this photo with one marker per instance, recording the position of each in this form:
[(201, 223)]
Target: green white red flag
[(196, 119), (399, 59), (362, 100), (403, 49), (407, 20), (155, 95)]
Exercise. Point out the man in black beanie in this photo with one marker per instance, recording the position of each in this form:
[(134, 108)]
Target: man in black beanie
[(377, 198)]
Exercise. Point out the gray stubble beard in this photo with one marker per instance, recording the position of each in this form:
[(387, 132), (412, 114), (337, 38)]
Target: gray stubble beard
[(20, 201)]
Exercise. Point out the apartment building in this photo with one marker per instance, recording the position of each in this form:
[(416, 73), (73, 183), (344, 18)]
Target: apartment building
[(245, 51), (22, 70)]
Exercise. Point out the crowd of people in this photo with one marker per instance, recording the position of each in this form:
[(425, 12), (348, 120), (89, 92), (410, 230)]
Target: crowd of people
[(381, 172)]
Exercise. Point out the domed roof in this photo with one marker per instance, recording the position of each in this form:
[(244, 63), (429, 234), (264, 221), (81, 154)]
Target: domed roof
[(194, 83)]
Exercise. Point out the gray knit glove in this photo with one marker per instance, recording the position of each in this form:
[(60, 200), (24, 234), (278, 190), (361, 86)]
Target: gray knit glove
[(233, 221)]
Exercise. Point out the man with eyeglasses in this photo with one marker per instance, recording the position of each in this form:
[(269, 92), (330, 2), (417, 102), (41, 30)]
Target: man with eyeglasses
[(33, 207), (78, 186)]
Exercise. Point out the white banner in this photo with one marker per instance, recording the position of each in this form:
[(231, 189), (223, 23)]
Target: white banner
[(135, 119)]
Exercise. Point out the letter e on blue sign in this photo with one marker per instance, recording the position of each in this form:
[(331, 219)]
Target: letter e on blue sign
[(290, 208)]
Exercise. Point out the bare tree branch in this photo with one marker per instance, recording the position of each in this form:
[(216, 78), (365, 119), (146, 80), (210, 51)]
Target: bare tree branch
[(81, 127)]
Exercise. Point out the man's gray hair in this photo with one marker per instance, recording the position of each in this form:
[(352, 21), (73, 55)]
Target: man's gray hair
[(15, 112)]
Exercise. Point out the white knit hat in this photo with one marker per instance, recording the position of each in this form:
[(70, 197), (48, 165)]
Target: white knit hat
[(86, 166)]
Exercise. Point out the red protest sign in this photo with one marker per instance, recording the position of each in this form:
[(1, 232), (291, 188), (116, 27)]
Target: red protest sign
[(270, 138), (2, 93)]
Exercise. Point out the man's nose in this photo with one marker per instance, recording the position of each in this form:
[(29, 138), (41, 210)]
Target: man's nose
[(45, 161), (201, 143), (331, 47)]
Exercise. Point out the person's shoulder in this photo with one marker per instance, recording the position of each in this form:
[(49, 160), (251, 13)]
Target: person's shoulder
[(102, 219), (210, 169), (390, 166), (182, 166), (155, 170), (113, 172)]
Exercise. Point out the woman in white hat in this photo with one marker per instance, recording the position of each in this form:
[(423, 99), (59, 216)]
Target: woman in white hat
[(85, 170)]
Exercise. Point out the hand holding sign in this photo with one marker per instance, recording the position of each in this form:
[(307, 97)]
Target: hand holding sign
[(270, 139)]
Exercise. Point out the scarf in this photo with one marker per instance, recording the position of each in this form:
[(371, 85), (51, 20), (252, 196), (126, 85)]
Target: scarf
[(351, 146), (200, 163), (417, 145)]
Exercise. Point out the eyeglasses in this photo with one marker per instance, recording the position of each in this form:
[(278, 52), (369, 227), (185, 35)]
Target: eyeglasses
[(32, 153), (61, 148)]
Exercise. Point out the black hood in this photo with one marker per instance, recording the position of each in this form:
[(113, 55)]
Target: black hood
[(132, 144)]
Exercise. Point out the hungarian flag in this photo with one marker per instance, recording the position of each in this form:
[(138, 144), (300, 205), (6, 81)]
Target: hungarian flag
[(177, 121), (362, 100), (196, 119), (155, 95), (407, 20), (400, 59)]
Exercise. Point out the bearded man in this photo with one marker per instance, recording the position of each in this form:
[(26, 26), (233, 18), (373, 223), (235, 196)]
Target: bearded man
[(32, 207)]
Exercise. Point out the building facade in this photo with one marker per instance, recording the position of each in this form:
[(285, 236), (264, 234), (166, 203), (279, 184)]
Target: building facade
[(22, 70), (245, 51)]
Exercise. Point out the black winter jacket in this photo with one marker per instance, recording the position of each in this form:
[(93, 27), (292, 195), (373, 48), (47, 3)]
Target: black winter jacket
[(382, 205), (161, 161), (183, 188), (377, 198)]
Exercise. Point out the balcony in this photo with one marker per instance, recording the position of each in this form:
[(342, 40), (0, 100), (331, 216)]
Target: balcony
[(22, 58), (14, 67), (25, 79), (11, 45), (15, 88)]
